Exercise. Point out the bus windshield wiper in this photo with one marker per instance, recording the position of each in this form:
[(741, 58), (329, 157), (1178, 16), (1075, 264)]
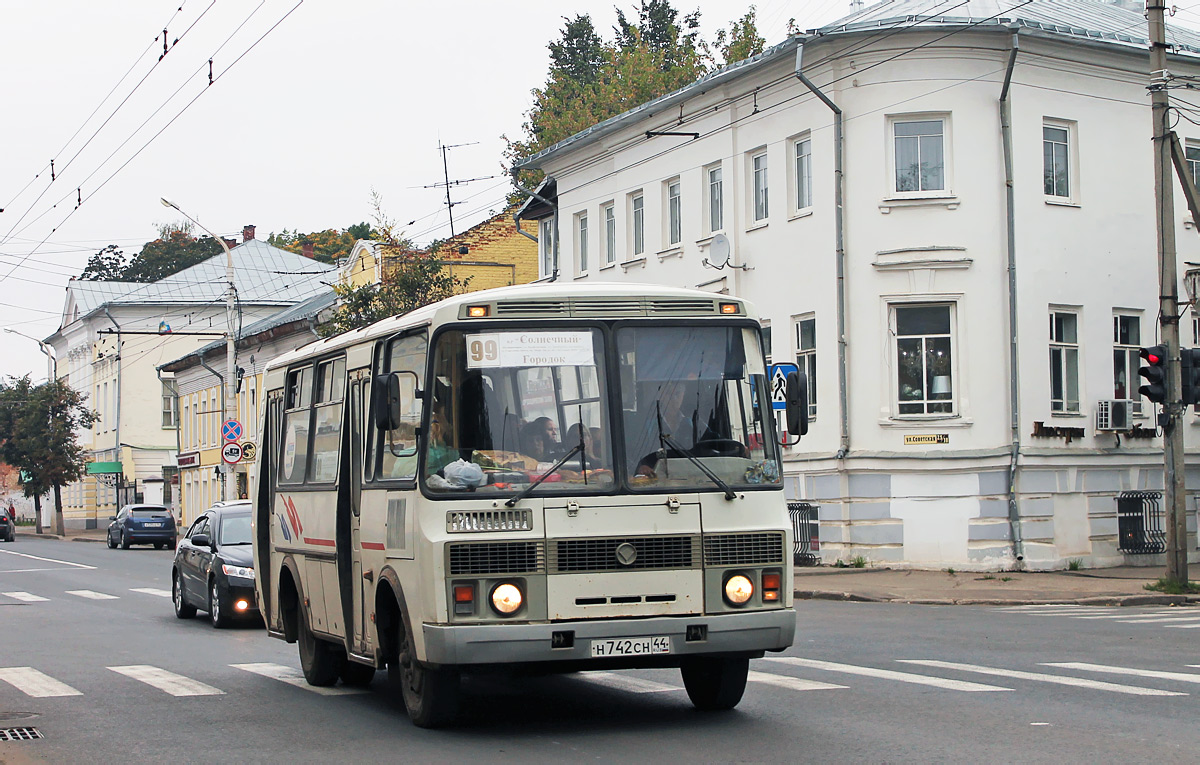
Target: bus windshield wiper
[(576, 449), (665, 438)]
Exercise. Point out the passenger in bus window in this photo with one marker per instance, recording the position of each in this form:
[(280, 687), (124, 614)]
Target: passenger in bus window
[(667, 416), (539, 439), (590, 453), (441, 453)]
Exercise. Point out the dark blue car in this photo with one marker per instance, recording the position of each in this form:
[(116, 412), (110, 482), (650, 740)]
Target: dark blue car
[(142, 525)]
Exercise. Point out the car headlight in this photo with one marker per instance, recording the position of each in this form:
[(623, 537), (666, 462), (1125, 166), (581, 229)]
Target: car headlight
[(245, 572), (507, 598), (738, 589)]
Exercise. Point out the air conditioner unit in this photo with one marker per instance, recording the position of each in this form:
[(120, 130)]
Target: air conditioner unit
[(1114, 415)]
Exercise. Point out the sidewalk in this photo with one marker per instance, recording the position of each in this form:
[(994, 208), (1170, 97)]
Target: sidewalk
[(1122, 586)]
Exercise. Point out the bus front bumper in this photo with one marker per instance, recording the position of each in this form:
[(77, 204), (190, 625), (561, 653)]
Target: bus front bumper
[(737, 633)]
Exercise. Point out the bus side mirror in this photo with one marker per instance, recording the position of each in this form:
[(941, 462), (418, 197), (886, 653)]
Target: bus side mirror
[(797, 403), (388, 404)]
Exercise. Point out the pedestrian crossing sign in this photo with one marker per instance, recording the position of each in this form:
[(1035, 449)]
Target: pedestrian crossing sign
[(778, 374)]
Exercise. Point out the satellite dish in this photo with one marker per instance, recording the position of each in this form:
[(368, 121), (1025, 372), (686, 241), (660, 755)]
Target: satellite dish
[(718, 251)]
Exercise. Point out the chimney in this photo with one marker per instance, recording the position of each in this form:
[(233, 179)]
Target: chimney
[(230, 243), (306, 248), (247, 233)]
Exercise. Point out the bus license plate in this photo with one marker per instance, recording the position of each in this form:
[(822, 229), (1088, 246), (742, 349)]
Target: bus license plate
[(642, 646)]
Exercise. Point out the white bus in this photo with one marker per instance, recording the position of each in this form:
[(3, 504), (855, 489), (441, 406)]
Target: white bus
[(544, 477)]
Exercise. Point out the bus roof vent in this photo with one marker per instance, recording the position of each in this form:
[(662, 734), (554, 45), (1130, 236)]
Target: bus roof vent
[(607, 307), (532, 308), (680, 306)]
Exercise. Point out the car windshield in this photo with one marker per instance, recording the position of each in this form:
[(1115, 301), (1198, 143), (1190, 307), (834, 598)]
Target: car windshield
[(235, 530), (515, 407), (694, 405)]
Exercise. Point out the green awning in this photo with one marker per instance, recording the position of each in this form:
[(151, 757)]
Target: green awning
[(95, 468)]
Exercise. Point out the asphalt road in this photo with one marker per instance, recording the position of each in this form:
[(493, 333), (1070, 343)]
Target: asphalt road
[(865, 682)]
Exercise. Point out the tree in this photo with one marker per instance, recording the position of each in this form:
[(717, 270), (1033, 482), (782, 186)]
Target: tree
[(107, 265), (174, 250), (741, 41), (329, 245), (37, 435)]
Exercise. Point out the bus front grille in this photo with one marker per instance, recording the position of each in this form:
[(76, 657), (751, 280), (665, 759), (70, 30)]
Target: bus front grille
[(743, 549), (623, 554), (496, 558)]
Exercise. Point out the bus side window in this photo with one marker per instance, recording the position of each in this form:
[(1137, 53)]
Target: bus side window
[(293, 442), (397, 449)]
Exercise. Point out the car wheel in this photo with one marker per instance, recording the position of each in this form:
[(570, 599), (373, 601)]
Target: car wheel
[(715, 683), (182, 609), (124, 541), (430, 695), (112, 543), (171, 544), (216, 607), (318, 659), (356, 675), (159, 545)]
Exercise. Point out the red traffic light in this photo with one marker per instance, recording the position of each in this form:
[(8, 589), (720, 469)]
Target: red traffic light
[(1153, 359)]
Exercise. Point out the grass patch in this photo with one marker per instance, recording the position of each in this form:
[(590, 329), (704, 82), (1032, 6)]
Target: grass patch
[(950, 571), (1173, 587), (1006, 579), (1074, 564), (859, 562)]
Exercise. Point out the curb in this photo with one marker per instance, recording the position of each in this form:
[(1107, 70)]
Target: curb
[(1094, 600)]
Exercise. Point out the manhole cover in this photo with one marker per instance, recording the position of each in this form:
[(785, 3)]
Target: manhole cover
[(19, 734)]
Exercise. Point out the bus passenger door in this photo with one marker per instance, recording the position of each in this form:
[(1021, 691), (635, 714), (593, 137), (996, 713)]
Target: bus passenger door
[(356, 618)]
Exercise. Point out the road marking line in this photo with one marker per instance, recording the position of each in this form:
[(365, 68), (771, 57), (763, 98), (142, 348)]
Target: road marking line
[(169, 682), (89, 594), (33, 683), (791, 683), (25, 596), (1078, 682), (1050, 607), (1183, 677), (27, 570), (293, 676), (152, 591), (623, 682), (48, 560), (1160, 619), (1181, 626), (889, 674), (1127, 615)]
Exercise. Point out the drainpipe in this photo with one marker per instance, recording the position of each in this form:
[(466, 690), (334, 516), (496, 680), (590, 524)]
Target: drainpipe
[(1014, 401), (116, 494), (526, 234), (840, 245)]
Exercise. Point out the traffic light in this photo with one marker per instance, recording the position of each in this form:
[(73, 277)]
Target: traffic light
[(1190, 375), (1155, 373)]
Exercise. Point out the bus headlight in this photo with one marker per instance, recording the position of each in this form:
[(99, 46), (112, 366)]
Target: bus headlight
[(507, 599), (738, 589)]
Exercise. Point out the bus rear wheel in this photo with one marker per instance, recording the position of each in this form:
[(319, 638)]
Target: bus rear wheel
[(318, 659), (715, 683), (430, 694)]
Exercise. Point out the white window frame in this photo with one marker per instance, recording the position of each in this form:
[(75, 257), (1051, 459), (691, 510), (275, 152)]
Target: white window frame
[(1191, 151), (170, 412), (581, 242), (1064, 359), (932, 408), (1068, 149), (947, 156), (546, 245), (608, 212), (758, 167), (674, 217), (637, 224), (714, 198), (806, 357), (801, 173), (1126, 358), (767, 342)]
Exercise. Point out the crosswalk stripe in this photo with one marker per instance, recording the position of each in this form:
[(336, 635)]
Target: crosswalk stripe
[(1182, 626), (89, 594), (29, 681), (152, 591), (25, 596), (1055, 608), (1078, 682), (1183, 677), (790, 683), (169, 682), (293, 676), (889, 674), (622, 682), (1160, 619)]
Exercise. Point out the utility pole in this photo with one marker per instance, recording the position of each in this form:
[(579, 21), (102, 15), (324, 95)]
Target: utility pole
[(1173, 408), (447, 183)]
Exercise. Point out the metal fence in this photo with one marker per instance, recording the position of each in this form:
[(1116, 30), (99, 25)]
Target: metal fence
[(807, 532), (1140, 523)]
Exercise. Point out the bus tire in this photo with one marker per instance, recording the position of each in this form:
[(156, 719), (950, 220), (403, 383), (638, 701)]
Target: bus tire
[(715, 683), (357, 675), (318, 659), (430, 694)]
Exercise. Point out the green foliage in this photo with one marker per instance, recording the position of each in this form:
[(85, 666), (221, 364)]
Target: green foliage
[(858, 562), (105, 266), (172, 252), (1074, 564), (329, 245), (741, 41), (1173, 586)]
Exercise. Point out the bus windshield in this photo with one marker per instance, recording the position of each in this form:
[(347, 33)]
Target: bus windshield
[(519, 411)]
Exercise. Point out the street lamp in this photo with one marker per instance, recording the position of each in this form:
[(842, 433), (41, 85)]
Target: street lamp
[(228, 392), (51, 359)]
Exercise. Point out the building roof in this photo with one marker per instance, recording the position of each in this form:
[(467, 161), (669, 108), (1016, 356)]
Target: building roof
[(1089, 21)]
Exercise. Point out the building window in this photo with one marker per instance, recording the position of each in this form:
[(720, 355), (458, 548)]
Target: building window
[(758, 164), (716, 216), (674, 214), (803, 171), (583, 242), (1056, 168), (546, 245), (766, 340), (1193, 160), (610, 234), (924, 368), (806, 358), (638, 216), (170, 417), (185, 424), (1127, 341), (1064, 362), (920, 155), (197, 427)]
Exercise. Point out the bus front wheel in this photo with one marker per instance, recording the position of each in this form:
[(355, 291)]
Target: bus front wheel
[(430, 694), (715, 683), (318, 659)]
